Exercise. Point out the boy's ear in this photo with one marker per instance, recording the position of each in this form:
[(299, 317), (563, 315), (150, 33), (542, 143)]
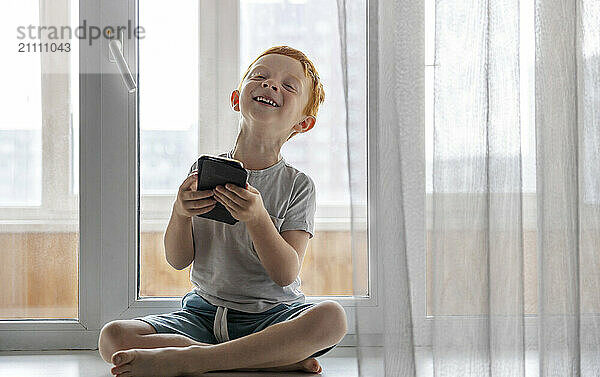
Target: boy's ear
[(306, 124), (235, 100)]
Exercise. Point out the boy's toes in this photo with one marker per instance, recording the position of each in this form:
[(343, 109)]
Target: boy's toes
[(120, 371), (122, 357), (311, 365)]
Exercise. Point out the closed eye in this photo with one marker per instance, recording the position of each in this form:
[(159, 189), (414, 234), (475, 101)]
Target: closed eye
[(289, 86)]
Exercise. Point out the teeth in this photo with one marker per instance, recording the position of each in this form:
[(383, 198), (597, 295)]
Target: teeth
[(259, 98)]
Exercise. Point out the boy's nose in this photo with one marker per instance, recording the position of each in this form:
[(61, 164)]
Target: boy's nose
[(265, 85)]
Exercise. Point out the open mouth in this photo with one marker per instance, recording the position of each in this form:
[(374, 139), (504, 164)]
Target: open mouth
[(265, 101)]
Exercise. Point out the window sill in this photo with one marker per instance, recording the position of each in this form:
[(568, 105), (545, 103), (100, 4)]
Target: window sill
[(152, 225)]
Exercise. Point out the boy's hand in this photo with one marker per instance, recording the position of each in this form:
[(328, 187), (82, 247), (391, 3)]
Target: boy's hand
[(191, 202), (244, 204)]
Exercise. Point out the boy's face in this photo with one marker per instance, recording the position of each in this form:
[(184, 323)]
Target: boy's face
[(280, 79)]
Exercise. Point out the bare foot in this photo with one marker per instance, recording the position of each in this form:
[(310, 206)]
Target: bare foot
[(150, 362), (166, 362), (310, 365)]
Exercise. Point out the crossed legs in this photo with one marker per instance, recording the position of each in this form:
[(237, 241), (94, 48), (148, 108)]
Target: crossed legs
[(129, 334), (283, 346)]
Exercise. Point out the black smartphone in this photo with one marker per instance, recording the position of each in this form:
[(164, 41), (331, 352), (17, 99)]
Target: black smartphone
[(214, 171)]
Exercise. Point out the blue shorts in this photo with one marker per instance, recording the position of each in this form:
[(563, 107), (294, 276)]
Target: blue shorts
[(206, 323)]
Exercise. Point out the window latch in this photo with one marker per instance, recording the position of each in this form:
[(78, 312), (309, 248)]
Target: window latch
[(115, 55)]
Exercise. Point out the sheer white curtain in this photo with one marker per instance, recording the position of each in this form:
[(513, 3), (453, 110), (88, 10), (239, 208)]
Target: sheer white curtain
[(393, 295), (479, 324)]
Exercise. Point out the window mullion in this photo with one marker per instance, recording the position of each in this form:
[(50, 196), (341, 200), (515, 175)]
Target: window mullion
[(218, 74), (56, 110), (207, 83), (228, 74)]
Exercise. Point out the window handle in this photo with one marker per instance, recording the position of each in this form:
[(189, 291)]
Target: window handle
[(116, 56)]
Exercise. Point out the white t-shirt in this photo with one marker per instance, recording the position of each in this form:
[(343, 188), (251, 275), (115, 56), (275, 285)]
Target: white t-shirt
[(226, 270)]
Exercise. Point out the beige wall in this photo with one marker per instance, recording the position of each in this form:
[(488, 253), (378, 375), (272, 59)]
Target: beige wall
[(38, 271)]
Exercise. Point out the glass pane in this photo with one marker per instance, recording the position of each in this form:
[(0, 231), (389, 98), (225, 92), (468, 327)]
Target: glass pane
[(39, 205), (169, 129), (168, 100)]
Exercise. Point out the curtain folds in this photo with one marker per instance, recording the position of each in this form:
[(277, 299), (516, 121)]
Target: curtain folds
[(514, 269)]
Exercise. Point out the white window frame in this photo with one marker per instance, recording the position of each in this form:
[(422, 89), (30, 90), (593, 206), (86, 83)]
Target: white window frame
[(81, 333), (218, 46), (109, 229)]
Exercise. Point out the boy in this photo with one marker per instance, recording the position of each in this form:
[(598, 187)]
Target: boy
[(246, 311)]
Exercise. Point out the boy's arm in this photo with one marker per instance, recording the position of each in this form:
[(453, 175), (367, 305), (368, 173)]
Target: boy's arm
[(179, 244), (298, 239), (279, 258)]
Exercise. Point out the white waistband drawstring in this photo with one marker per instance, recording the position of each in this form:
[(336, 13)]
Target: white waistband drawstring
[(220, 325)]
